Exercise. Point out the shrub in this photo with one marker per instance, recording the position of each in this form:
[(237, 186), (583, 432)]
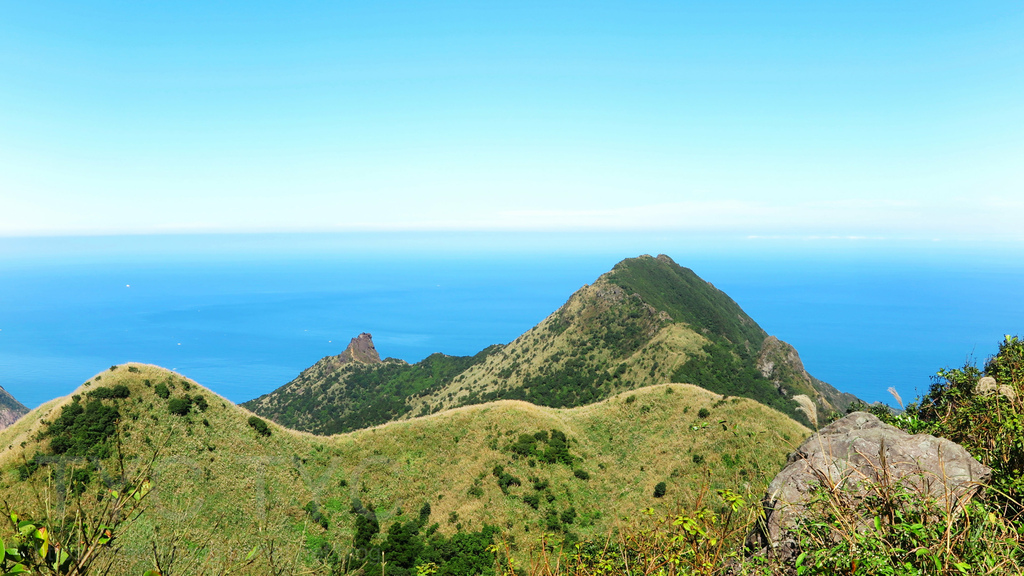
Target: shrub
[(119, 391), (659, 490), (199, 401), (551, 521), (568, 516), (698, 541), (506, 480), (26, 470), (313, 511), (988, 424), (525, 446), (79, 480), (533, 500), (698, 458), (83, 430), (162, 391), (259, 425), (703, 413), (179, 406), (907, 534), (557, 449), (581, 474)]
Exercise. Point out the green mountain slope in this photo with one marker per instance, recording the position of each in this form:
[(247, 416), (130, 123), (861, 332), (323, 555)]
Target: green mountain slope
[(223, 493), (357, 389), (648, 321)]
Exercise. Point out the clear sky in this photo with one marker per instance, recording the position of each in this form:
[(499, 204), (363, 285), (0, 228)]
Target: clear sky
[(867, 119)]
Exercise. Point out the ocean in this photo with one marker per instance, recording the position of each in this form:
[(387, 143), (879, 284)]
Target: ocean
[(245, 314)]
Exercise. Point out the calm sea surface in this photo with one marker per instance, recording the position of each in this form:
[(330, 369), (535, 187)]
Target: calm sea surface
[(245, 321)]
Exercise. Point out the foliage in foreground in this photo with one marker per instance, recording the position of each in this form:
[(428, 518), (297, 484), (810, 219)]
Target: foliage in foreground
[(988, 423), (890, 531)]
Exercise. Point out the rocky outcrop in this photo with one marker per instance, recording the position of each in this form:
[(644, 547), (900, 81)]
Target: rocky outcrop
[(361, 349), (780, 363), (854, 458), (10, 409)]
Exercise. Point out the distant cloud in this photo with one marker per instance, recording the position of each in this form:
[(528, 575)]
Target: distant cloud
[(863, 220)]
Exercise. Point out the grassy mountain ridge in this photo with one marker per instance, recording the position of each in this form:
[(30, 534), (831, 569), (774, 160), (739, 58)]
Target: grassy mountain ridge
[(647, 321), (334, 396), (221, 489)]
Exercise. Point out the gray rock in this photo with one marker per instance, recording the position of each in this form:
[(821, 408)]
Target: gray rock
[(852, 456)]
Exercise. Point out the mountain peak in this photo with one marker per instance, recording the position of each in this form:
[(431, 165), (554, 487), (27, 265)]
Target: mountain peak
[(361, 349), (647, 321)]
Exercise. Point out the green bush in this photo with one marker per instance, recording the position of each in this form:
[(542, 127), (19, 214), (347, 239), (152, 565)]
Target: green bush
[(568, 516), (313, 511), (551, 521), (703, 413), (581, 474), (908, 535), (83, 430), (506, 480), (162, 391), (533, 500), (659, 490), (179, 406), (259, 425), (989, 425), (119, 391)]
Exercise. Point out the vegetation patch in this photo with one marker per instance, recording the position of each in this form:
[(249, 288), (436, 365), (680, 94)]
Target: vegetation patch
[(83, 430)]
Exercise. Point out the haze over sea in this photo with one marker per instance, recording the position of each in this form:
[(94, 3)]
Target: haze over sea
[(244, 314)]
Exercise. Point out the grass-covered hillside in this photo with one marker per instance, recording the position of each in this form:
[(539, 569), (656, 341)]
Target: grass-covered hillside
[(339, 394), (646, 322), (203, 486)]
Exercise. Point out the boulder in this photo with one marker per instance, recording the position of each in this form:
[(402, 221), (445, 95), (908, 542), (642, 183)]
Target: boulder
[(853, 457)]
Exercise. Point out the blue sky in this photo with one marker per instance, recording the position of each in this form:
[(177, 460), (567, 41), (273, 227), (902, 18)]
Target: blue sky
[(797, 119)]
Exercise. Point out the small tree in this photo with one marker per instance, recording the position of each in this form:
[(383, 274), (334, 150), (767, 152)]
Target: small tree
[(659, 490), (259, 425)]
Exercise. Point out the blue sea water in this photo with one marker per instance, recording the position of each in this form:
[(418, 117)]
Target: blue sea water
[(244, 315)]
